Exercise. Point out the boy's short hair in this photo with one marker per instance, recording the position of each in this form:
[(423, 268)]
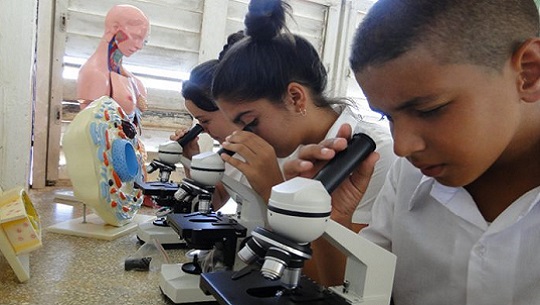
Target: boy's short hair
[(479, 32)]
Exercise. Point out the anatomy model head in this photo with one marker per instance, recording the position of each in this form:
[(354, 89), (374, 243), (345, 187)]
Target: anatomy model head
[(129, 26)]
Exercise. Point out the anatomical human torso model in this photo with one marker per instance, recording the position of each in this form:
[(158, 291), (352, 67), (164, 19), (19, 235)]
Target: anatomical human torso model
[(126, 31)]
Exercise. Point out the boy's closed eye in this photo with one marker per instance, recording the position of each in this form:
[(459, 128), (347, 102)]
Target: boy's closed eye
[(426, 111), (431, 111)]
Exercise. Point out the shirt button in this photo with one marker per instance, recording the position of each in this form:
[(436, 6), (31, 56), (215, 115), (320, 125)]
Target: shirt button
[(480, 249)]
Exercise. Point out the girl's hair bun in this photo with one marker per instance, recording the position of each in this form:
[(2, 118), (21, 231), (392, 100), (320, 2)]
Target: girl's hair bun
[(265, 19), (231, 40)]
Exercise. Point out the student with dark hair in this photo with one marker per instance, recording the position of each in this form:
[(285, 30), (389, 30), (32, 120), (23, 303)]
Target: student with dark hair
[(459, 81), (198, 101), (275, 82)]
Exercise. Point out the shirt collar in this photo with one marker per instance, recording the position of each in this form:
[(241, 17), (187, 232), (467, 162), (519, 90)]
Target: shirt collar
[(517, 210), (460, 202), (424, 184), (346, 116), (456, 199)]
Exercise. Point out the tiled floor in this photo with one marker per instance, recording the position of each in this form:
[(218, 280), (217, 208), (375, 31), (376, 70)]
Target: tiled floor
[(77, 270)]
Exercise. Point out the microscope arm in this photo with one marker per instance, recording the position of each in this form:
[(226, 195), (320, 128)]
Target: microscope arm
[(370, 269), (186, 163), (251, 210)]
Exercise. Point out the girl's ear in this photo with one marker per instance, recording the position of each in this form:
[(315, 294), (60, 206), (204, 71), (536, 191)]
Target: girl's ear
[(297, 95), (527, 60)]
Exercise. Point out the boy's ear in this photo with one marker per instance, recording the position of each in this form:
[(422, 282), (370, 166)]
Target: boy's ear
[(527, 58)]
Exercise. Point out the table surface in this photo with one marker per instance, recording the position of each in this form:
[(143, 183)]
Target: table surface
[(80, 270)]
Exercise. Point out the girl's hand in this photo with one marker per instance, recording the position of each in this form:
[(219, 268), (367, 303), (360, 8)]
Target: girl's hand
[(190, 149), (312, 157), (260, 164)]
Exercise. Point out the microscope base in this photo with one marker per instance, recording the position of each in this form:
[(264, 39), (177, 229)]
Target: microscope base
[(181, 287), (166, 236), (253, 288)]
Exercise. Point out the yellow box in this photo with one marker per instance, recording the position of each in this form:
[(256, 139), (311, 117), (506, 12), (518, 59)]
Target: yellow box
[(20, 221)]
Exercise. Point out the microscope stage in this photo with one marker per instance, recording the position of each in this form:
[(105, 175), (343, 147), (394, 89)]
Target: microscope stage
[(158, 188), (201, 231), (253, 288), (165, 235)]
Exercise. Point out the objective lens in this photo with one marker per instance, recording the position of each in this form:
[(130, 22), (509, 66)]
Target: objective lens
[(204, 203), (251, 252), (180, 194), (291, 277), (275, 262)]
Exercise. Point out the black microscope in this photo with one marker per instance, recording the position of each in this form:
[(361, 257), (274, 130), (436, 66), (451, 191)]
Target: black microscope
[(212, 232)]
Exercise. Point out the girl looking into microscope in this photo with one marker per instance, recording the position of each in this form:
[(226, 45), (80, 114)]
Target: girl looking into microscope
[(275, 82), (198, 101)]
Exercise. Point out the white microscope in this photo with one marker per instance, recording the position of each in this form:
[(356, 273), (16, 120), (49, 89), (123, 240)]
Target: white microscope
[(298, 213), (205, 230), (163, 192)]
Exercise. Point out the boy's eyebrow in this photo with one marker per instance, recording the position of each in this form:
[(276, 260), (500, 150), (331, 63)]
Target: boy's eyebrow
[(411, 103), (238, 118)]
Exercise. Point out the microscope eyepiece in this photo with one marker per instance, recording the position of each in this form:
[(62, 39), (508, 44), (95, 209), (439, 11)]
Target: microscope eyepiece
[(228, 152), (358, 149), (190, 135)]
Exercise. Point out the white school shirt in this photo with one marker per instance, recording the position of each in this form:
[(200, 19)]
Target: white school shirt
[(384, 146), (446, 252)]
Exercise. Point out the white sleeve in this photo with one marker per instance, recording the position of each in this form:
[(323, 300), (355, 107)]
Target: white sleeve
[(379, 230)]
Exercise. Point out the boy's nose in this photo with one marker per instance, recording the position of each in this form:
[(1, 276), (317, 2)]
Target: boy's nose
[(406, 140)]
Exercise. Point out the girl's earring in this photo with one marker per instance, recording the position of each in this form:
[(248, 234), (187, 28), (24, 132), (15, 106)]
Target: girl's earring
[(303, 111)]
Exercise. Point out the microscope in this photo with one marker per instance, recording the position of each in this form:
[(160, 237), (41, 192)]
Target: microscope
[(298, 213), (163, 191), (216, 234), (210, 231)]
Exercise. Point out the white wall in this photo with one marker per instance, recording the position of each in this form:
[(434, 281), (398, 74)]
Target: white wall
[(17, 35)]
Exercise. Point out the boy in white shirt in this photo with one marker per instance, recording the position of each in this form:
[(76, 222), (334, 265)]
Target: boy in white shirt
[(459, 81)]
